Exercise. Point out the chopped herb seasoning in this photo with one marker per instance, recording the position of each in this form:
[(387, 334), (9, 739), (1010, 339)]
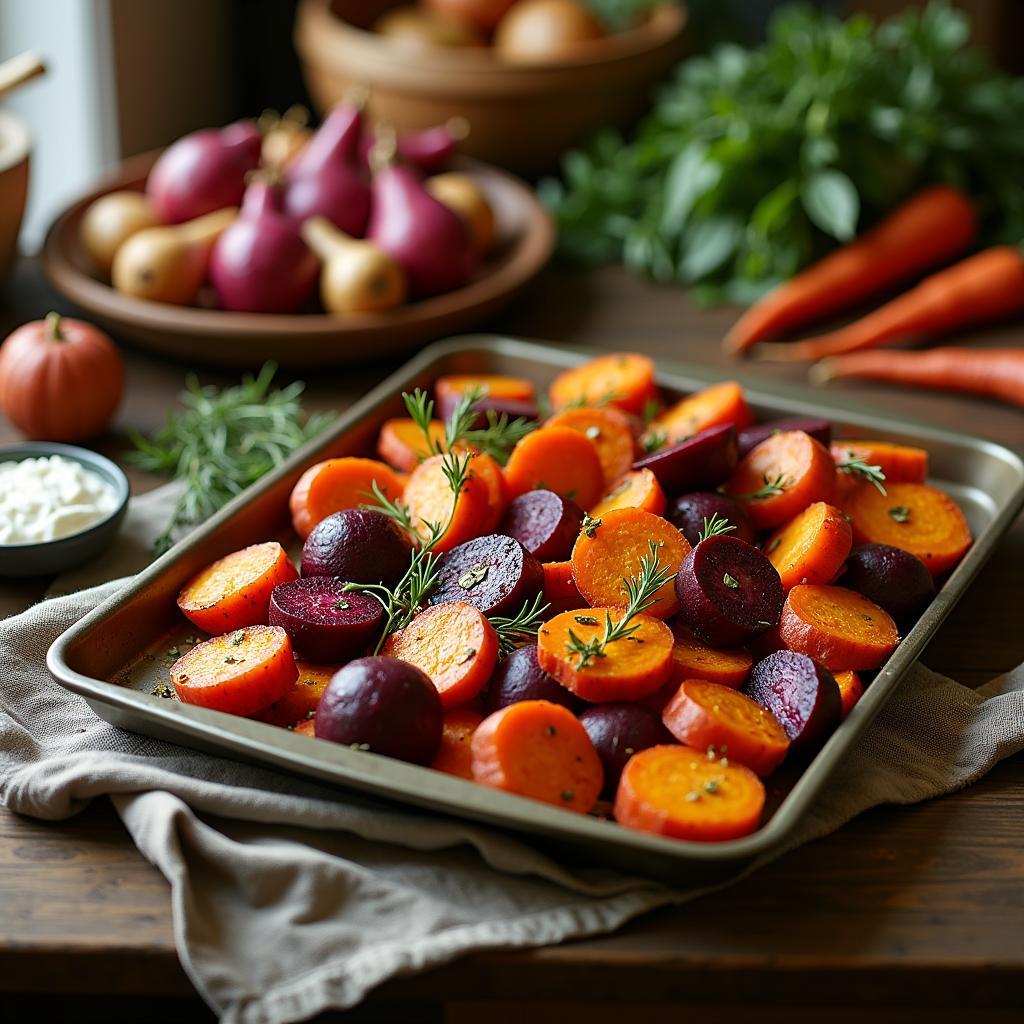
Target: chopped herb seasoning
[(899, 514), (238, 638), (773, 545), (468, 656), (568, 794), (342, 605), (163, 690), (731, 582), (359, 746), (473, 577), (711, 786), (586, 620), (550, 730), (590, 525), (230, 660)]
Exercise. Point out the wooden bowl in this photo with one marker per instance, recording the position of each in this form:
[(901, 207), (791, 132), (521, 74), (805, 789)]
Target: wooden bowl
[(15, 146), (526, 238), (523, 116)]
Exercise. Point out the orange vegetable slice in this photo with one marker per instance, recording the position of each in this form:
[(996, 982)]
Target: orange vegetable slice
[(639, 488), (623, 380), (401, 443), (455, 755), (336, 484), (811, 547), (301, 701), (851, 689), (692, 659), (448, 390), (611, 432), (560, 590), (556, 459), (713, 406), (235, 590), (429, 499)]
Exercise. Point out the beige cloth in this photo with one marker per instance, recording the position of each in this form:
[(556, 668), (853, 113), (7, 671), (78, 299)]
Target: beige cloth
[(290, 897)]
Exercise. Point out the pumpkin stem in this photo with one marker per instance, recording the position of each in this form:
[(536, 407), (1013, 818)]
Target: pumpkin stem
[(53, 320)]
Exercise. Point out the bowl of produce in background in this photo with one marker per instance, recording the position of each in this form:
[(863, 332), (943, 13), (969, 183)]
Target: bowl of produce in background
[(533, 77), (15, 146)]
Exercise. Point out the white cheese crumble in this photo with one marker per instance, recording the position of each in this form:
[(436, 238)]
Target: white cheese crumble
[(50, 497)]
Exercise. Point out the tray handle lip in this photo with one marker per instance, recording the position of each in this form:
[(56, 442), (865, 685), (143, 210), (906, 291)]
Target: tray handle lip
[(777, 830)]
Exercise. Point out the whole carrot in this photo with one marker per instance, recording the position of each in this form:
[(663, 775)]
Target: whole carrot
[(931, 228), (986, 286), (994, 372)]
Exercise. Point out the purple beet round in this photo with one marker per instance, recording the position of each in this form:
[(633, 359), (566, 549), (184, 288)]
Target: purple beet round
[(325, 623), (700, 462), (618, 731), (520, 677), (690, 510), (494, 573), (800, 693), (728, 591), (545, 523), (361, 545), (751, 437), (384, 705), (893, 578)]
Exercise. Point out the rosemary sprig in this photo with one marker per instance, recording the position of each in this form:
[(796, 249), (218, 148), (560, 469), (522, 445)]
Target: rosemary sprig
[(653, 441), (716, 526), (641, 591), (522, 627), (396, 510), (854, 465), (223, 440), (583, 402), (500, 435), (772, 485)]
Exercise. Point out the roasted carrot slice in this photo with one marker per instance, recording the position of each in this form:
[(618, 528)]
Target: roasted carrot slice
[(709, 717), (454, 644), (301, 701), (811, 547), (631, 668), (623, 380), (429, 499), (714, 406), (455, 755), (401, 443), (782, 476), (448, 390), (556, 459), (307, 727), (608, 552), (486, 467), (693, 660), (838, 627), (335, 484), (235, 590), (851, 689), (611, 432), (676, 792), (560, 590), (918, 518), (539, 750), (639, 488), (240, 672), (901, 463)]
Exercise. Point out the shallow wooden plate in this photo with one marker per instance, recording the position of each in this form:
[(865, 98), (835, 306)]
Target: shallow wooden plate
[(526, 238)]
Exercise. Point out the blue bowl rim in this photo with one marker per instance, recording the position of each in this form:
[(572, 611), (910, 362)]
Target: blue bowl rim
[(20, 451)]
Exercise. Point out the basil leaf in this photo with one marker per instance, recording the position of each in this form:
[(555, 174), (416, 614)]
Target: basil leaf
[(831, 201)]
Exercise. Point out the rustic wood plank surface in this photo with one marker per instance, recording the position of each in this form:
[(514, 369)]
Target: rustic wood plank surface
[(906, 907)]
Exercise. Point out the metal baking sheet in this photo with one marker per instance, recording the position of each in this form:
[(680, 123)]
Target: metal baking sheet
[(117, 654)]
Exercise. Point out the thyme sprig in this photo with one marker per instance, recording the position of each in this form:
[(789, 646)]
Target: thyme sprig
[(222, 441), (522, 627), (854, 465), (716, 526), (772, 485), (641, 591)]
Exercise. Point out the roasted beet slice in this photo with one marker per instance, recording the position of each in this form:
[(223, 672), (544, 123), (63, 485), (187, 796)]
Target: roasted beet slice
[(358, 544), (800, 693), (728, 591), (520, 677), (383, 705), (893, 578), (545, 523), (326, 624), (702, 461), (690, 510), (751, 437), (494, 573), (618, 731)]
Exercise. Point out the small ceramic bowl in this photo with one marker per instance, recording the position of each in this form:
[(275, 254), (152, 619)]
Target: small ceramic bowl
[(52, 556)]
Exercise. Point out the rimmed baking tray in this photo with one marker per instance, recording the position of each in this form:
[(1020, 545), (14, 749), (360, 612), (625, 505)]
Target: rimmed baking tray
[(120, 652)]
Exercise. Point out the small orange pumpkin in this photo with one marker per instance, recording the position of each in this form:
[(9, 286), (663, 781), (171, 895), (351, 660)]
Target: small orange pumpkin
[(60, 379)]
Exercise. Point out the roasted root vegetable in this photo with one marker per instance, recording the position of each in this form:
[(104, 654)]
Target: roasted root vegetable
[(358, 545), (519, 677), (811, 547), (403, 445), (610, 431), (840, 629), (618, 731), (622, 380), (851, 689), (545, 523), (918, 518), (639, 488), (692, 659), (702, 461), (716, 406), (494, 387), (299, 704), (678, 792), (560, 590), (899, 463), (929, 229), (709, 717), (455, 754), (429, 499), (241, 672), (538, 750), (893, 578), (235, 590), (336, 484), (557, 459)]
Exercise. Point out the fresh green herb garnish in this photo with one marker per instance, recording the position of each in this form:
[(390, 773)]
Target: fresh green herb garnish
[(521, 628), (641, 591), (590, 525), (716, 526), (900, 513), (772, 485), (731, 582), (854, 465), (223, 440), (653, 441), (473, 577)]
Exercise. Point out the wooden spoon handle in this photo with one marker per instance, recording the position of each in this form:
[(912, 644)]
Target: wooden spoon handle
[(19, 70)]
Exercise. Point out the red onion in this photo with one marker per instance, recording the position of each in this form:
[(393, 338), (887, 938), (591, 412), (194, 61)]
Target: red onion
[(325, 180), (261, 264), (429, 149), (420, 233), (203, 171)]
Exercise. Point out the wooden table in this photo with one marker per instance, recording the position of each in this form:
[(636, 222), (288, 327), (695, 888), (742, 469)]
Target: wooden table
[(910, 912)]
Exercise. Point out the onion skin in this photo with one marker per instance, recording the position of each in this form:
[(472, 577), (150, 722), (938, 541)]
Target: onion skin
[(204, 171), (541, 31)]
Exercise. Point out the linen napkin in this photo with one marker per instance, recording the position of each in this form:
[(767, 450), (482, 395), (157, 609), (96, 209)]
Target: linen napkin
[(290, 897)]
